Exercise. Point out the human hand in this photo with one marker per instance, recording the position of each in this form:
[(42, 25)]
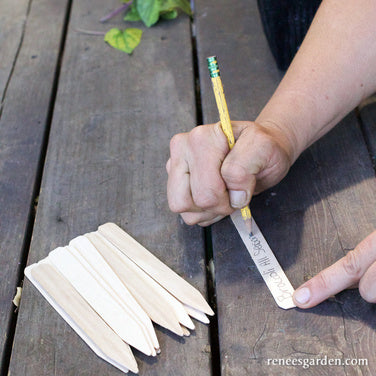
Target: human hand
[(207, 181), (357, 268)]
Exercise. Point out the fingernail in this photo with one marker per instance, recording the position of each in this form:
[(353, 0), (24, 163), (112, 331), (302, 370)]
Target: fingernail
[(302, 295), (238, 199)]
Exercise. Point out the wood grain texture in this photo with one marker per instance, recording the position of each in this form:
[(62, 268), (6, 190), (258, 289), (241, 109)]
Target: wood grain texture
[(323, 208), (87, 321), (29, 49), (12, 24), (151, 265), (114, 116), (148, 293)]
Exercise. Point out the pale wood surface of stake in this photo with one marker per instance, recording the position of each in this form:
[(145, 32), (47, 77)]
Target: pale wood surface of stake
[(29, 50), (321, 210), (186, 332), (198, 315), (115, 315), (67, 297), (107, 277), (159, 271), (161, 307), (112, 121)]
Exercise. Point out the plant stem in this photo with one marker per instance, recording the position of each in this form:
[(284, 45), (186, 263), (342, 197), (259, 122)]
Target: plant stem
[(90, 32), (116, 11)]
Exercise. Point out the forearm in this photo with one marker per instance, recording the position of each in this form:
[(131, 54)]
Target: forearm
[(333, 71)]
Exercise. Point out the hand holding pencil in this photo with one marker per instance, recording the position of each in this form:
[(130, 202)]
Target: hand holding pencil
[(208, 180), (225, 122)]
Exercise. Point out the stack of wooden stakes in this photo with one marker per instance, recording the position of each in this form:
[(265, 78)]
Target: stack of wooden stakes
[(109, 289)]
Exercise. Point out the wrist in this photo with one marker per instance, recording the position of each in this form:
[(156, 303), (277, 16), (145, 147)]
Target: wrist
[(290, 115), (285, 141)]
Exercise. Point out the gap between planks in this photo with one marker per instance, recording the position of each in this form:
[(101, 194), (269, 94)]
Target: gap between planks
[(209, 259)]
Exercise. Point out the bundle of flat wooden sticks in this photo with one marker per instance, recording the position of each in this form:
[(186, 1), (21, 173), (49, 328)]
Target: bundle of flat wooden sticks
[(110, 289)]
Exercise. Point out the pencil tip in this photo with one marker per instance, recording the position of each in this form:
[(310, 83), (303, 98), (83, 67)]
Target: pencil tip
[(248, 225)]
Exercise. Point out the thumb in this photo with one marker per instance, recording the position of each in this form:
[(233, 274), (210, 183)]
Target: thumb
[(239, 170)]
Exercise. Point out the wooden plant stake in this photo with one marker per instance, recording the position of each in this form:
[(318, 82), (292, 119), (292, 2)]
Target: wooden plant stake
[(186, 332), (109, 289), (158, 303), (160, 272), (195, 313), (114, 286), (102, 302), (81, 316)]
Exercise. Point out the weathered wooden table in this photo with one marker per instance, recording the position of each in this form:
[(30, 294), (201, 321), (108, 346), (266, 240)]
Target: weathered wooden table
[(84, 137)]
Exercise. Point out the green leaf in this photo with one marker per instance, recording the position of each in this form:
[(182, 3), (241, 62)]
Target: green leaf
[(184, 5), (132, 14), (170, 14), (149, 11), (124, 40)]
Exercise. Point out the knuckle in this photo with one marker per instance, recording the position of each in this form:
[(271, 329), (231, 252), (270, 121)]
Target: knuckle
[(351, 265), (198, 135), (174, 207), (206, 200), (176, 144), (178, 206), (323, 281)]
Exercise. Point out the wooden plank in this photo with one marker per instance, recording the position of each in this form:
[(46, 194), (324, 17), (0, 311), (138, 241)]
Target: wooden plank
[(29, 49), (12, 22), (323, 208), (113, 119)]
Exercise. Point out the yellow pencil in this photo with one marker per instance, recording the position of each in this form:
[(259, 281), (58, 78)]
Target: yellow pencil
[(225, 120)]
